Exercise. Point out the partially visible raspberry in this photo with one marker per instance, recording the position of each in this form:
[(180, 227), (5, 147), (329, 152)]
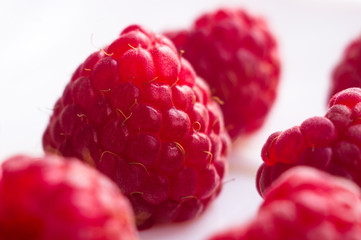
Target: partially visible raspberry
[(347, 73), (304, 204), (138, 113), (47, 198), (331, 143), (236, 53)]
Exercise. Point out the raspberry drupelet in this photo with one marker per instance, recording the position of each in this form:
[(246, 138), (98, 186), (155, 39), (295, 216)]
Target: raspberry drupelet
[(237, 55), (304, 204), (137, 112), (50, 198), (331, 143)]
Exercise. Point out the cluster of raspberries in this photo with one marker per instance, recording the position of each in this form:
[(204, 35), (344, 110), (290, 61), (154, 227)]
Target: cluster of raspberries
[(302, 200), (153, 131)]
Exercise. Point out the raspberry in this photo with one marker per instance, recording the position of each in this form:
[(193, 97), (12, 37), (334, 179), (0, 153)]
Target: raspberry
[(331, 143), (347, 73), (304, 203), (138, 113), (236, 54), (48, 198)]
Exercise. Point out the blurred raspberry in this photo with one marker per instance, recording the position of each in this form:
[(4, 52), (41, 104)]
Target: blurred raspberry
[(138, 113), (51, 199), (237, 55), (331, 143), (347, 73), (304, 204)]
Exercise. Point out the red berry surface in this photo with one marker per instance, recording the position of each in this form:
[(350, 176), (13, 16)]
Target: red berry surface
[(347, 72), (304, 204), (48, 198), (137, 112), (331, 143), (237, 55)]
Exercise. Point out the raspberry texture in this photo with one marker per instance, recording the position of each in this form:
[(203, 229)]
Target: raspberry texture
[(347, 73), (304, 204), (138, 113), (237, 55), (331, 143), (47, 198)]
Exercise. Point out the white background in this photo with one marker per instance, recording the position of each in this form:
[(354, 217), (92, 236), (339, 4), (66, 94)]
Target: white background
[(42, 42)]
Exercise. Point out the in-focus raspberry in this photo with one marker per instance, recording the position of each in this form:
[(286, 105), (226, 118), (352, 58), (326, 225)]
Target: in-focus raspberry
[(137, 112), (331, 143), (347, 72), (236, 53), (304, 204), (48, 198)]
